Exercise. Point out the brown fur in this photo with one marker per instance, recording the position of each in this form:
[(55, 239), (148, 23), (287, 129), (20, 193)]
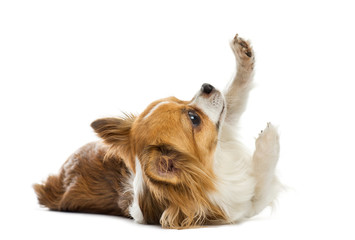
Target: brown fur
[(115, 132), (86, 183), (170, 157), (172, 152), (180, 194)]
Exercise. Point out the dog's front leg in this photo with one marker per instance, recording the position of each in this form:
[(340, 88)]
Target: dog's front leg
[(238, 90), (265, 158)]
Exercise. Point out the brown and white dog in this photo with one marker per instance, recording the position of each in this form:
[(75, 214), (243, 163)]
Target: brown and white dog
[(178, 164)]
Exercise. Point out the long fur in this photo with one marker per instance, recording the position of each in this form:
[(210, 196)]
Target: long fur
[(179, 164)]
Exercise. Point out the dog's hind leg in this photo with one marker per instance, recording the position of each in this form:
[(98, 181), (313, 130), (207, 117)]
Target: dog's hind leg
[(265, 158), (237, 91)]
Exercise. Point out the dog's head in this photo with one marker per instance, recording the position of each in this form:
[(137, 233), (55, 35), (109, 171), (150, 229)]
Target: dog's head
[(173, 140)]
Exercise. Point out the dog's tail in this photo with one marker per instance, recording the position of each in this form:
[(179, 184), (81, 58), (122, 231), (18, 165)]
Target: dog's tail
[(50, 193)]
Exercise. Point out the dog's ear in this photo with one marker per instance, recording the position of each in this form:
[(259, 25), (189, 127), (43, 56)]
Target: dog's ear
[(162, 164), (116, 134), (113, 130)]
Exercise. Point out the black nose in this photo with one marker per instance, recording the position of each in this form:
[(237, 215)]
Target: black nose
[(207, 88)]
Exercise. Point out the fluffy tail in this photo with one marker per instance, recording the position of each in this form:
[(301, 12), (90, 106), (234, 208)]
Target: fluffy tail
[(50, 193)]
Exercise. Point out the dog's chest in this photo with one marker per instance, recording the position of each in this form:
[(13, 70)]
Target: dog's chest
[(234, 184)]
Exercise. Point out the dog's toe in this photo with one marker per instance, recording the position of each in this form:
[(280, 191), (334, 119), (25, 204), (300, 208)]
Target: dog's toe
[(268, 138), (243, 51)]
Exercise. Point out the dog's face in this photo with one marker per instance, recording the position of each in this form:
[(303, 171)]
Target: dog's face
[(174, 140)]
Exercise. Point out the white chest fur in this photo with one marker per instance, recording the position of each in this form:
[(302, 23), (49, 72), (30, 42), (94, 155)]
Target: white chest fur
[(138, 184), (235, 184)]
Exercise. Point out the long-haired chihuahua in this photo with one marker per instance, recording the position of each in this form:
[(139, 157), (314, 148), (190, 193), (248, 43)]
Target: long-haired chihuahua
[(178, 164)]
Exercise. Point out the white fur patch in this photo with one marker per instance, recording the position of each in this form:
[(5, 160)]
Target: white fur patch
[(154, 108), (212, 106), (237, 177), (235, 185), (138, 184)]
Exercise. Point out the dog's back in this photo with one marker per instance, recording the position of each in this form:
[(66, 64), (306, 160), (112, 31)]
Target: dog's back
[(87, 183)]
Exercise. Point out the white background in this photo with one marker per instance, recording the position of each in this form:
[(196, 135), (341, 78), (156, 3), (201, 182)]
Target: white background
[(65, 63)]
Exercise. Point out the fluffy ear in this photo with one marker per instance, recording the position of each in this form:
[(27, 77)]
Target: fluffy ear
[(162, 164), (116, 133), (113, 130)]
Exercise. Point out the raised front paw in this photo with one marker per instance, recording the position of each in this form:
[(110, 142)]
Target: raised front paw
[(243, 52)]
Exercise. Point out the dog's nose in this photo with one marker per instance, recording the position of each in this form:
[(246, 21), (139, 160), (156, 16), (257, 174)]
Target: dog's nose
[(207, 88)]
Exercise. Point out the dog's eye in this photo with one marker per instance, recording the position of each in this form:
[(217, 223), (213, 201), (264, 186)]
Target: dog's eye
[(195, 119)]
